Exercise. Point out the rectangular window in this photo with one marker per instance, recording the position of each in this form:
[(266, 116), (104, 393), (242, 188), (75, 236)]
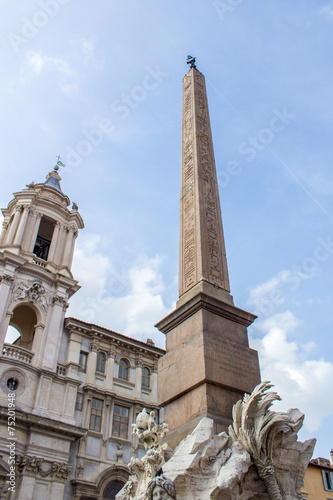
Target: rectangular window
[(79, 401), (44, 237), (328, 480), (120, 421), (83, 361), (96, 414)]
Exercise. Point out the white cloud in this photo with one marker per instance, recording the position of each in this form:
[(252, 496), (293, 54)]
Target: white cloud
[(326, 11), (35, 63), (264, 298), (87, 47), (301, 381), (128, 301)]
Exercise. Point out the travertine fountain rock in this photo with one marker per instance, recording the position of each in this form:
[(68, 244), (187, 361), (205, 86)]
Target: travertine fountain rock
[(258, 459)]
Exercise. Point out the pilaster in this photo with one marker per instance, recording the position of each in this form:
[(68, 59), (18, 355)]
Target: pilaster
[(54, 242), (22, 225), (3, 231), (13, 226), (109, 369), (6, 281), (37, 216), (91, 364)]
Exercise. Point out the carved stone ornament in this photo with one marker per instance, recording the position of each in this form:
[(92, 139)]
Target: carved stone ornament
[(39, 467), (259, 457), (58, 299), (144, 470), (6, 278), (32, 292)]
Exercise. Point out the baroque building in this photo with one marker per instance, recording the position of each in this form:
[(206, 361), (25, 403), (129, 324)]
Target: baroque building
[(69, 390)]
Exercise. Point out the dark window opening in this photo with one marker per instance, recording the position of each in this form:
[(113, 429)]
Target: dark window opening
[(123, 369), (79, 402), (146, 378), (44, 237), (120, 421), (96, 414), (112, 489), (100, 363), (83, 361), (12, 384), (328, 480)]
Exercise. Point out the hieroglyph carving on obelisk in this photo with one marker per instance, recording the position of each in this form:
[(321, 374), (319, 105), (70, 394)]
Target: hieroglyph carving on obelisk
[(202, 248)]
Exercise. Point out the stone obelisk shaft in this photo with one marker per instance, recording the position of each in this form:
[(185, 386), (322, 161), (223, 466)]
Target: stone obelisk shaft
[(208, 364), (202, 250)]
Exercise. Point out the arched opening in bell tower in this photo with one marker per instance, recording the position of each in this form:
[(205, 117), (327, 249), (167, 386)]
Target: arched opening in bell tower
[(44, 237), (24, 320)]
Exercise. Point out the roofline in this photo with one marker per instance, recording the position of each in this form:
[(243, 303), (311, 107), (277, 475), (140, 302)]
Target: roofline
[(321, 466), (120, 336)]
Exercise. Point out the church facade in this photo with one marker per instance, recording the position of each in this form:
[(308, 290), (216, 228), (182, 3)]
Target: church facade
[(69, 390)]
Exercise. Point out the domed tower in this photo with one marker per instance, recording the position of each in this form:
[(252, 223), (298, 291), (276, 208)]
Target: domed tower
[(36, 251), (37, 390)]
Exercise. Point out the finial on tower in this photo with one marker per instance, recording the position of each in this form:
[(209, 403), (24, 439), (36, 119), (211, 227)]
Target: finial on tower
[(191, 61), (59, 164)]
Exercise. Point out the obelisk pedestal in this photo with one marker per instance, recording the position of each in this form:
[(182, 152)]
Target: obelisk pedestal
[(208, 363)]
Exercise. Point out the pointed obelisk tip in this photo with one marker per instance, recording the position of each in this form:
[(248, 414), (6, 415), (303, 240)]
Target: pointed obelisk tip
[(191, 61)]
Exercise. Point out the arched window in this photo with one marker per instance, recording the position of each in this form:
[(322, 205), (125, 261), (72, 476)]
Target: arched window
[(146, 378), (112, 489), (100, 363), (24, 320), (123, 369)]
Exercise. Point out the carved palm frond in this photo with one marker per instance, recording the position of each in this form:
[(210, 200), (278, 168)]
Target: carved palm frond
[(253, 421), (255, 426)]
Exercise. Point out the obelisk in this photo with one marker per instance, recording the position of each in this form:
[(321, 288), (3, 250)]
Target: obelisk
[(208, 364)]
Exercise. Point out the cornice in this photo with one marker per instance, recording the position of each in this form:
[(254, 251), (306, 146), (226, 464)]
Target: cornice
[(112, 337), (47, 424), (203, 301)]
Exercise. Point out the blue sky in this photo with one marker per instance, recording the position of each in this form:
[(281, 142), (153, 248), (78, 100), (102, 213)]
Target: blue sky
[(100, 84)]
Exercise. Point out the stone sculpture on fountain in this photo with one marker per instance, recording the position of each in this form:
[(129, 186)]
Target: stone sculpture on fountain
[(258, 459)]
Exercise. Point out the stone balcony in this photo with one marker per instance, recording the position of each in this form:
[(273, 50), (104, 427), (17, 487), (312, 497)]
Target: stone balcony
[(18, 353)]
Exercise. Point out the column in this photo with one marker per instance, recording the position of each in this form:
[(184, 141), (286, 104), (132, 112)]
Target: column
[(54, 242), (25, 491), (138, 378), (13, 226), (37, 345), (51, 345), (75, 235), (68, 246), (87, 410), (106, 427), (5, 284), (3, 232), (38, 217), (74, 347), (153, 383), (109, 369), (91, 365), (22, 226), (59, 250)]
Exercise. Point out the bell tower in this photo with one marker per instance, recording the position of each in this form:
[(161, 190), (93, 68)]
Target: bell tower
[(36, 251)]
